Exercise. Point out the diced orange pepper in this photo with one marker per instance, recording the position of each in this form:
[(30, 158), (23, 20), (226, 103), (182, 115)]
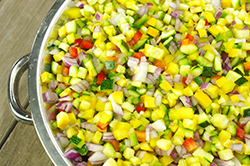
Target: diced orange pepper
[(160, 63), (141, 135), (111, 58), (246, 65), (185, 42), (190, 144), (115, 145)]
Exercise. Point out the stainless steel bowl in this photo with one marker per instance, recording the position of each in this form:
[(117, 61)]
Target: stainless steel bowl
[(33, 62)]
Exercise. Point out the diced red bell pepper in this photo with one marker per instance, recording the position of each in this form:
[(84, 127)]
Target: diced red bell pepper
[(65, 70), (87, 44), (135, 38), (102, 126), (190, 144), (248, 51), (78, 42), (189, 37), (100, 77), (184, 80), (115, 145), (138, 55), (73, 52), (240, 133), (140, 107), (160, 63), (206, 23)]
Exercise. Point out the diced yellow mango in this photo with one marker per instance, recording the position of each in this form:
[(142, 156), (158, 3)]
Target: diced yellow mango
[(151, 21), (153, 32), (71, 131), (62, 120), (221, 81), (100, 106), (166, 86), (166, 160), (203, 99), (149, 102)]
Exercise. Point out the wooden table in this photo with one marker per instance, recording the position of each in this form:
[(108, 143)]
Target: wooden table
[(19, 23)]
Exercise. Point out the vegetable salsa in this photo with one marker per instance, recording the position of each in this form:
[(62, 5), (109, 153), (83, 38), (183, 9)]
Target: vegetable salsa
[(150, 82)]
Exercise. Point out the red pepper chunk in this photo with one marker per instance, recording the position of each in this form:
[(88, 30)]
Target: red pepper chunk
[(189, 37), (73, 52), (138, 55), (87, 44), (102, 126), (135, 38), (65, 70), (100, 77), (240, 133), (190, 144), (78, 42), (160, 63), (140, 107)]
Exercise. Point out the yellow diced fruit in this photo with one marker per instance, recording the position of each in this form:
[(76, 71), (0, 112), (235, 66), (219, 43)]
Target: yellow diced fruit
[(72, 118), (100, 106), (153, 32), (87, 114), (164, 144), (221, 81), (214, 30), (172, 68), (62, 32), (84, 105), (128, 153), (166, 86), (166, 160), (226, 154), (149, 102), (228, 87), (202, 32), (212, 91), (177, 140), (209, 17), (118, 97), (58, 57), (135, 123), (148, 158), (226, 3), (220, 121), (46, 77), (224, 136), (151, 21), (62, 120), (71, 131), (203, 99), (120, 134), (145, 146), (70, 38), (187, 91), (97, 137)]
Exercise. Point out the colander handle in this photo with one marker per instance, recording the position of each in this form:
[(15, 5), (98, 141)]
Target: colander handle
[(19, 113)]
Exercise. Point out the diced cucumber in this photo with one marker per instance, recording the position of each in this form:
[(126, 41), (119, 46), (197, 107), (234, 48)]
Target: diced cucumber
[(247, 127), (76, 103), (241, 81), (166, 34), (246, 161), (166, 43), (232, 75), (134, 93), (108, 150), (73, 71), (232, 129), (140, 44), (71, 27), (196, 70), (123, 46), (203, 120), (138, 23), (209, 56), (83, 150), (56, 68), (198, 80), (85, 31), (47, 67), (189, 49), (91, 68), (77, 141), (217, 64), (133, 139), (245, 111)]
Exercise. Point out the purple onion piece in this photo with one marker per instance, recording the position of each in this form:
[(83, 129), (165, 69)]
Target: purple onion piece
[(72, 154), (50, 97)]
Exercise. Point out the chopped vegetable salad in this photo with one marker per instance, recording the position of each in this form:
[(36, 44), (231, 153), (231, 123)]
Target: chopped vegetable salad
[(150, 82)]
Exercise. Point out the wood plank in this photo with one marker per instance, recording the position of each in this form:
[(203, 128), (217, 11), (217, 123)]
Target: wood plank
[(20, 21)]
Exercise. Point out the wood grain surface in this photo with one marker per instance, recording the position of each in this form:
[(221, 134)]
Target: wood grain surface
[(19, 23)]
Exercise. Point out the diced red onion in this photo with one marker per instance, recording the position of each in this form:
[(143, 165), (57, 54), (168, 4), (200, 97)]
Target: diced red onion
[(108, 136), (65, 98), (237, 147), (125, 91), (141, 75), (220, 162), (200, 109), (79, 5), (172, 48), (143, 10), (233, 23), (62, 139), (132, 62), (97, 158), (54, 51), (127, 143), (117, 88), (247, 140), (149, 4), (218, 13), (201, 45), (186, 101), (116, 108), (62, 86), (189, 78), (153, 134), (53, 84), (172, 5), (158, 99), (169, 79), (64, 105), (150, 79), (150, 91), (178, 24), (161, 152), (247, 7), (82, 164), (205, 86), (103, 99), (157, 72), (213, 164), (174, 14), (72, 154), (158, 125), (70, 61), (80, 86), (245, 28), (89, 126), (50, 97), (140, 154), (174, 154), (181, 150), (97, 16), (194, 101), (244, 121), (94, 147), (178, 78)]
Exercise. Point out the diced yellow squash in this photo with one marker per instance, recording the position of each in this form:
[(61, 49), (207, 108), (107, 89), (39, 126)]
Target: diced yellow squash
[(153, 32), (100, 106), (220, 121), (118, 97), (164, 144), (181, 113), (135, 123), (151, 21), (224, 136), (166, 86), (120, 134), (72, 118), (128, 153), (203, 99), (47, 77), (145, 146), (221, 81), (149, 102), (228, 87), (62, 120), (71, 131), (97, 137), (166, 160), (84, 105), (226, 154)]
